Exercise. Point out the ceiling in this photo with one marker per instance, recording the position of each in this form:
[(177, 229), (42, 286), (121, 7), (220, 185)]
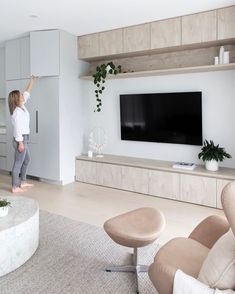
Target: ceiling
[(79, 17)]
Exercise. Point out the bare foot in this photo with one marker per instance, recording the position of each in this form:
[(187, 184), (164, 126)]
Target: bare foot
[(26, 185), (17, 190)]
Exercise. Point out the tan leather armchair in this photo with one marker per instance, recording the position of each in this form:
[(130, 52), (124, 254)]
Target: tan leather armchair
[(188, 254)]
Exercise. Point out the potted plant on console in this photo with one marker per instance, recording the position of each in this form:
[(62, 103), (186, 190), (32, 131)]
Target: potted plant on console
[(4, 204), (211, 154)]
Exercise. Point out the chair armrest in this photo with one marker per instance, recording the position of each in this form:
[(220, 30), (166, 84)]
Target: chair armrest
[(210, 230)]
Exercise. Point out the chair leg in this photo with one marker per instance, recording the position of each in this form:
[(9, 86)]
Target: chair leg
[(122, 268), (134, 268)]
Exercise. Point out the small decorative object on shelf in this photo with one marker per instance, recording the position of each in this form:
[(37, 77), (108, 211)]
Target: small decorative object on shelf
[(4, 204), (226, 57), (211, 154), (184, 165), (221, 55), (97, 140), (216, 60), (99, 80)]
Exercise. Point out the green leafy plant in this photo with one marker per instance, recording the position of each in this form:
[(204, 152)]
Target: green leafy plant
[(210, 151), (4, 203), (99, 80)]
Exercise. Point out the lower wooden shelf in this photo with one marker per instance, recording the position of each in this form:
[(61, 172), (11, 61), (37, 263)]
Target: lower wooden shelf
[(155, 177)]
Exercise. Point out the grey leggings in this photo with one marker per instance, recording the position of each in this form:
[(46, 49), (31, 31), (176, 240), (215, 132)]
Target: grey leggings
[(21, 162)]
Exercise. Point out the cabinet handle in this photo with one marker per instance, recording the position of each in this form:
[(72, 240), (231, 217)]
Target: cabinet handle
[(36, 121)]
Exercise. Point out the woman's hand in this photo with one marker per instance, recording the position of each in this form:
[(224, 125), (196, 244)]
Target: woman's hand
[(20, 147), (30, 84), (33, 78)]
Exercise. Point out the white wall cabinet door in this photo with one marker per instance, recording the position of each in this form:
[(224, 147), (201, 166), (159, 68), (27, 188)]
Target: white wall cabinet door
[(86, 171), (3, 149), (45, 53), (109, 175), (220, 185), (34, 168), (13, 59), (2, 73), (164, 184), (10, 155), (43, 107), (46, 129), (135, 179), (17, 59), (3, 163), (197, 189), (25, 57)]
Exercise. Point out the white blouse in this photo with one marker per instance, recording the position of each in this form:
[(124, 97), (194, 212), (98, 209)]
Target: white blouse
[(20, 120)]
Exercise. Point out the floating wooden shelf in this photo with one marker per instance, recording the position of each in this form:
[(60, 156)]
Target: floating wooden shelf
[(169, 71)]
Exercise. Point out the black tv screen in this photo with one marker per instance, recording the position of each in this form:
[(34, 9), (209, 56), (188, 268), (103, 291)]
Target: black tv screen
[(162, 117)]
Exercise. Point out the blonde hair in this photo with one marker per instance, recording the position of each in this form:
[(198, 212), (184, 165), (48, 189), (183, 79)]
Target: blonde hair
[(13, 100)]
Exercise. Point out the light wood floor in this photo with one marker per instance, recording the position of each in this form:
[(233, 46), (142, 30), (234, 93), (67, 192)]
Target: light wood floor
[(93, 204)]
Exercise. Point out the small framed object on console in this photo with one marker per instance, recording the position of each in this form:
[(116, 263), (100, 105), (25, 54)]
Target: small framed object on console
[(184, 165)]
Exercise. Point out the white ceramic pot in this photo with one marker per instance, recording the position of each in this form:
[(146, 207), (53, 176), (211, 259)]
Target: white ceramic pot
[(3, 211), (212, 165)]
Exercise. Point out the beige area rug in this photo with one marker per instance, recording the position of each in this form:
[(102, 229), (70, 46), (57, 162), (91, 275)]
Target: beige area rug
[(71, 259)]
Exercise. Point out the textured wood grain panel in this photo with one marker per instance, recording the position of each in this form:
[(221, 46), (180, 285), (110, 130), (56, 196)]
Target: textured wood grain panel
[(109, 175), (136, 38), (166, 33), (199, 28), (226, 23), (164, 184), (199, 190), (86, 171), (135, 179), (88, 46), (111, 42)]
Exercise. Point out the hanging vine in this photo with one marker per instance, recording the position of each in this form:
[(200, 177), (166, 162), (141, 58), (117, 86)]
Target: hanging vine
[(99, 80)]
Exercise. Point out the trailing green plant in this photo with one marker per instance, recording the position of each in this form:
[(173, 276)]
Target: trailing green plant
[(99, 80), (4, 203), (210, 151)]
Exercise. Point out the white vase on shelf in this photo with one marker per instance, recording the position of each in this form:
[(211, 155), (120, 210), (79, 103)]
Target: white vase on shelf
[(211, 165), (226, 57), (221, 55)]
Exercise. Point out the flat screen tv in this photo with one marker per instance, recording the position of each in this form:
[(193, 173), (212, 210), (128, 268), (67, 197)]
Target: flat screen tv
[(162, 117)]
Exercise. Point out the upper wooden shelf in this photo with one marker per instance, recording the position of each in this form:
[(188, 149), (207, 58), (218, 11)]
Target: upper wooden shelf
[(170, 71)]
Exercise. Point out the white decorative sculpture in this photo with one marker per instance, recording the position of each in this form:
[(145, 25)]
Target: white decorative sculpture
[(97, 140)]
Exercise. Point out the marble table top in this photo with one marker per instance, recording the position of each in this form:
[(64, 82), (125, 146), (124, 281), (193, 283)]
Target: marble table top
[(19, 233), (21, 210)]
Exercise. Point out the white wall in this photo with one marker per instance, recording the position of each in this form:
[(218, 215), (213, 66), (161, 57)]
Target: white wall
[(218, 106), (71, 114)]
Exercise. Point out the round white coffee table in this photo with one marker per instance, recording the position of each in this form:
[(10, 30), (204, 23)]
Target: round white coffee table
[(19, 233)]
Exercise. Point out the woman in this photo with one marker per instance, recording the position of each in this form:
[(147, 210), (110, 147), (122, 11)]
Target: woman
[(20, 121)]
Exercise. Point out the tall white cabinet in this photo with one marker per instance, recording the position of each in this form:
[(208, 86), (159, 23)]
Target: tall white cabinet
[(55, 126), (2, 111)]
